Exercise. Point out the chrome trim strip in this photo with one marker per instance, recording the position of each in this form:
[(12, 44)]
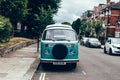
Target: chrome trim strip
[(59, 60)]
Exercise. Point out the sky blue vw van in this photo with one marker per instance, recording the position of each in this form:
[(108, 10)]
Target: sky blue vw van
[(59, 46)]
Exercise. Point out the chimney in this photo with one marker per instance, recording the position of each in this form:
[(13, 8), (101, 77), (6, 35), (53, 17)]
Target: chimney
[(108, 1)]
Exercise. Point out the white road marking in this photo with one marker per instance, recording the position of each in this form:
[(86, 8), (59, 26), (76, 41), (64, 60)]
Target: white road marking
[(42, 76), (84, 73)]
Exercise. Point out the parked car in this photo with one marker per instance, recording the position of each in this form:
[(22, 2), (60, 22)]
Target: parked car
[(112, 46), (83, 40), (59, 46), (93, 42)]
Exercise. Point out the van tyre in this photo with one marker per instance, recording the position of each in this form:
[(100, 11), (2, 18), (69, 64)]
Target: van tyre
[(72, 65), (45, 65)]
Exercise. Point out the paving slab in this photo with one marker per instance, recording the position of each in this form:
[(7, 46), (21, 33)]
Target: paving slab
[(16, 65)]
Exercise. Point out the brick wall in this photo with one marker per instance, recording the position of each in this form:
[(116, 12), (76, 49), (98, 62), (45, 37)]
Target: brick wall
[(114, 17)]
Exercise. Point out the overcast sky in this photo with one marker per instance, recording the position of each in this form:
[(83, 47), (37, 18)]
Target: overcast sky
[(72, 9)]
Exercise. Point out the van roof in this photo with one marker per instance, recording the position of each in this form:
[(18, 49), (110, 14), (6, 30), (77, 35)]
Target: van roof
[(58, 26)]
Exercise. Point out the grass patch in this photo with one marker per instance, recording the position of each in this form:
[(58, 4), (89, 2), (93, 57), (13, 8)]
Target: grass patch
[(14, 41)]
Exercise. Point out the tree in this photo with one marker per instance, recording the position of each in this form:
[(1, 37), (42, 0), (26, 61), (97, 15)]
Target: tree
[(35, 14), (42, 20), (91, 28), (87, 33), (85, 28), (98, 27), (88, 29), (67, 23), (16, 10), (40, 14), (76, 25)]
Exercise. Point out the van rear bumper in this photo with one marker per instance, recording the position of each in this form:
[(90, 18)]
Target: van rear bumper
[(59, 60)]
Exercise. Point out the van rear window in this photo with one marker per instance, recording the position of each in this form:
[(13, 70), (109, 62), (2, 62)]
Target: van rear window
[(59, 35)]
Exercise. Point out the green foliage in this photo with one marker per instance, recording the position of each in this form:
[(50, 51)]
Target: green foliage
[(67, 23), (16, 10), (91, 28), (98, 28), (35, 14), (5, 29), (85, 28), (87, 33), (40, 14), (76, 25), (43, 19)]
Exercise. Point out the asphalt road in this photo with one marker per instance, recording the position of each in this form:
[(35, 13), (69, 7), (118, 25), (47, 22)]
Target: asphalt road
[(93, 65)]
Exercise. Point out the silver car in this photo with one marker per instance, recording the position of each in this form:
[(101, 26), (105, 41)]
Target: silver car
[(83, 40), (93, 42)]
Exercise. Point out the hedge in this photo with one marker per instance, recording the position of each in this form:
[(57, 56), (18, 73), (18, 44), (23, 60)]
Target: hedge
[(5, 29)]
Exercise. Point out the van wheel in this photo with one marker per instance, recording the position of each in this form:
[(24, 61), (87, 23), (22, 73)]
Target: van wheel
[(45, 65), (74, 65)]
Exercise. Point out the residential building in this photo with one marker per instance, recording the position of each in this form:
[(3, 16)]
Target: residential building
[(98, 13), (112, 19), (109, 15)]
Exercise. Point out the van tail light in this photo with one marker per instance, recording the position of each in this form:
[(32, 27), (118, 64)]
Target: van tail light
[(72, 45), (46, 45)]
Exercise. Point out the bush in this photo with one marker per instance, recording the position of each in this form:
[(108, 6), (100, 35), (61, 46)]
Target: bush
[(5, 29)]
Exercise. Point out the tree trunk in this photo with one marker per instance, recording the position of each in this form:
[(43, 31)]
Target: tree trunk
[(22, 31)]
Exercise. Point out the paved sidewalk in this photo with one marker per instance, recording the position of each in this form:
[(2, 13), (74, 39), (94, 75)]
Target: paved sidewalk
[(19, 65)]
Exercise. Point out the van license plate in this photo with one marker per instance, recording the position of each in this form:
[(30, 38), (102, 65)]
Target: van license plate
[(59, 63)]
